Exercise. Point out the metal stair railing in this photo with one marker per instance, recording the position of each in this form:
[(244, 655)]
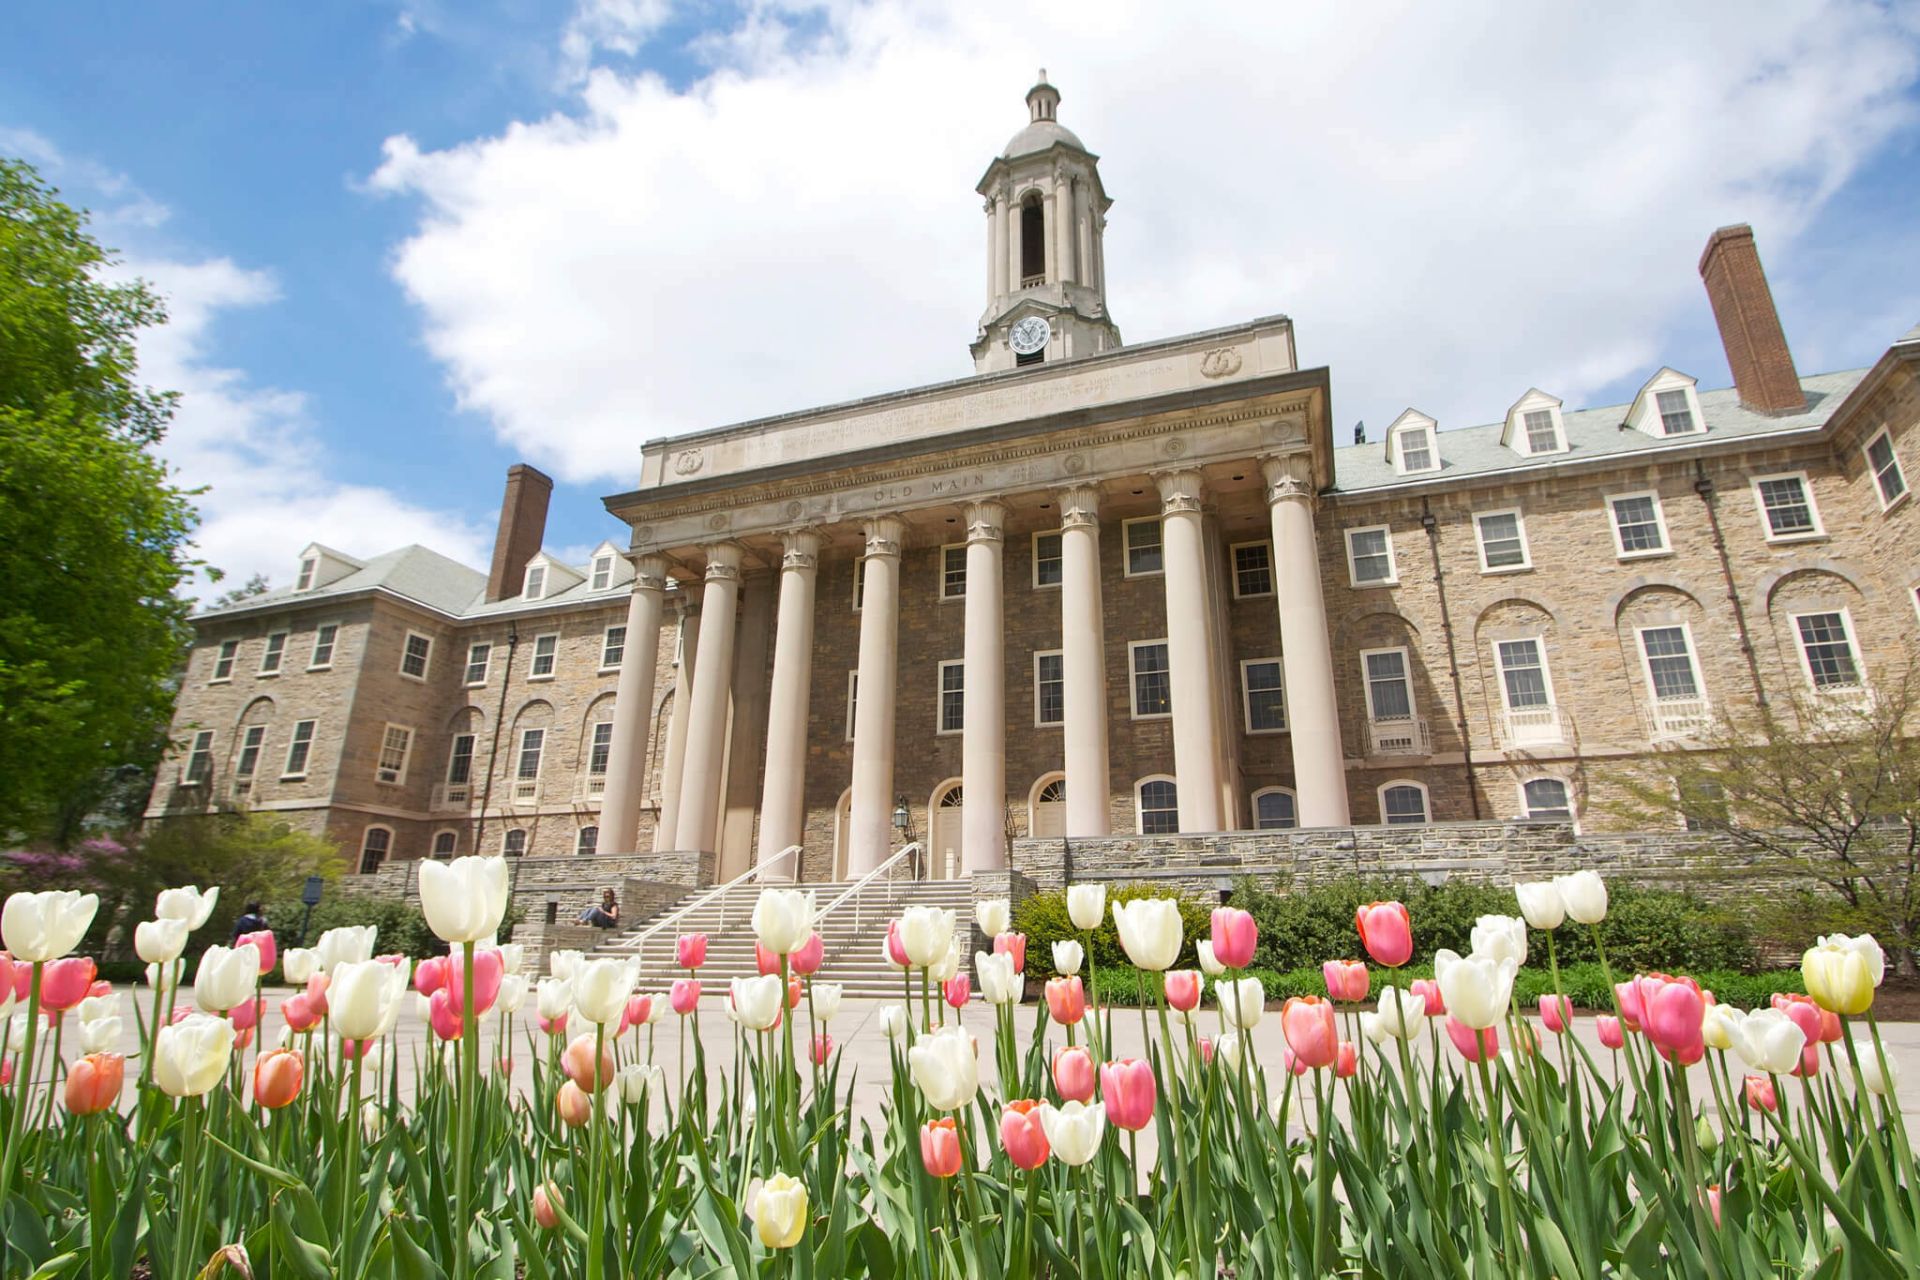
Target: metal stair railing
[(637, 944), (855, 890)]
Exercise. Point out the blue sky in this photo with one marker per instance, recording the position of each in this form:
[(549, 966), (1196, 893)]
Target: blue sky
[(409, 244)]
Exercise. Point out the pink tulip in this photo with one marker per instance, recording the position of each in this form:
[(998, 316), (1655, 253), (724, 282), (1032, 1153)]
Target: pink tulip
[(1473, 1045), (822, 1049), (764, 960), (795, 990), (1556, 1013), (443, 1015), (430, 975), (1066, 1000), (1387, 933), (10, 975), (1760, 1094), (812, 953), (1022, 1135), (1347, 1062), (351, 1049), (1713, 1202), (1809, 1061), (6, 1072), (1347, 980), (1127, 1087), (577, 1061), (1307, 1023), (1429, 990), (545, 1197), (1183, 989), (489, 971), (64, 982), (182, 1013), (572, 1105), (1290, 1063), (690, 950), (639, 1009), (1612, 1034), (244, 1014), (940, 1147), (1671, 1012), (1206, 1049), (551, 1026), (684, 995), (297, 1011), (263, 941), (100, 989), (958, 990), (1012, 944), (1823, 1025), (1627, 995), (505, 1065), (896, 949), (242, 1038), (394, 959), (1234, 937), (1073, 1075)]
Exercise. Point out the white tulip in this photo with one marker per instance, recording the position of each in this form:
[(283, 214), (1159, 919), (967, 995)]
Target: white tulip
[(1209, 963), (659, 1003), (100, 1035), (893, 1020), (826, 1000), (298, 964), (158, 941), (1721, 1026), (564, 964), (1768, 1040), (948, 965), (758, 1001), (1067, 957), (1373, 1029), (190, 1056), (513, 993), (998, 984), (1241, 1002), (926, 934), (228, 977), (944, 1067), (1868, 949), (553, 997), (993, 915), (1478, 988), (1226, 1049), (1284, 1108), (6, 1000), (1540, 903), (165, 977), (1150, 931), (601, 988), (1401, 1014), (1585, 896), (1074, 1130), (783, 919), (364, 998), (38, 927), (348, 944), (464, 900), (1086, 905), (636, 1080), (1500, 938), (94, 1008), (1882, 1083), (186, 903)]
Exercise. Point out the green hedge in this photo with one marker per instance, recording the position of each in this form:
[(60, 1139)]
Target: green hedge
[(1043, 918)]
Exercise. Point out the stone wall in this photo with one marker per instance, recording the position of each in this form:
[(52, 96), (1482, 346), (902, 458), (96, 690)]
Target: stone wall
[(536, 880)]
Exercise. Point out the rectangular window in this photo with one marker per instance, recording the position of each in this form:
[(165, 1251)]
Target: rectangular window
[(1639, 528), (275, 651), (1050, 687), (223, 664), (1827, 646), (1388, 695), (532, 743), (416, 655), (323, 642), (587, 841), (953, 700), (1252, 570), (1263, 695), (1152, 679), (199, 760), (396, 743), (309, 568), (1670, 663), (1885, 466), (1415, 447), (1786, 507), (1523, 674), (545, 651), (1403, 804), (600, 749), (1159, 806), (535, 585), (479, 656), (299, 749), (250, 743), (1370, 557), (1503, 541), (460, 760), (613, 648), (859, 582), (602, 573), (853, 698), (1541, 437), (1676, 415), (1048, 563), (953, 572), (1142, 538)]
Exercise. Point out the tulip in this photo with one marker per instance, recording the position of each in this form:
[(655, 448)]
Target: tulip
[(190, 1056), (894, 950), (1556, 1014), (443, 1016), (1347, 980), (1826, 1025), (1584, 895), (684, 995), (639, 1011), (1234, 937), (601, 988), (1206, 1049), (100, 1004), (1476, 989), (1719, 1025), (1876, 1080), (999, 981), (268, 946), (1627, 996), (1400, 1014), (809, 956), (1540, 904), (277, 1075), (345, 945), (93, 1083), (572, 1105), (1073, 1075), (783, 919), (1074, 1130), (1183, 989), (1150, 934), (690, 950), (947, 965), (1431, 998), (1347, 1061), (1086, 905), (551, 1026), (822, 1049), (160, 941), (795, 990), (1760, 1094), (430, 975), (1473, 1043), (297, 1012), (364, 998), (1307, 1022), (1066, 1000), (636, 1080), (64, 983), (757, 1000), (1500, 938), (186, 903), (464, 900), (944, 1067), (546, 1198), (100, 1035), (1023, 1135), (780, 1211), (1068, 956), (553, 998), (957, 990), (826, 1000), (38, 927), (993, 915), (926, 935), (1242, 1002), (1012, 944), (227, 977), (1809, 1065), (160, 977), (1209, 963), (1128, 1089), (1770, 1041), (940, 1147), (1672, 1013), (489, 973), (578, 1059), (1386, 932), (1839, 975), (893, 1020)]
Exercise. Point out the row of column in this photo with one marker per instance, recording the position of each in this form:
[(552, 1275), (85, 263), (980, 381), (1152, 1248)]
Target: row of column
[(1068, 227), (689, 814)]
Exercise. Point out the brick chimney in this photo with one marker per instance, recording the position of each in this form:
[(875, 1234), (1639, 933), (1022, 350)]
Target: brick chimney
[(523, 523), (1763, 371)]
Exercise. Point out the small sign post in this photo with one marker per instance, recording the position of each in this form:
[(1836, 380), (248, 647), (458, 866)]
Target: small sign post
[(310, 896)]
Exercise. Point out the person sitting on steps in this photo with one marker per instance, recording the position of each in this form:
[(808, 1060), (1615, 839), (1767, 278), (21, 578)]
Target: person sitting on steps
[(604, 916)]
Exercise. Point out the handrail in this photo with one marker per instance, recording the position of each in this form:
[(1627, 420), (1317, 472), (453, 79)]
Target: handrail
[(858, 886), (638, 942)]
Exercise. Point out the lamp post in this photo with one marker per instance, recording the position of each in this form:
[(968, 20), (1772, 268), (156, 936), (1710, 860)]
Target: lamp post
[(903, 824)]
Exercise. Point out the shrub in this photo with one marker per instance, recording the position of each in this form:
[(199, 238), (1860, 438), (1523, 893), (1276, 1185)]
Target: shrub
[(1043, 918), (402, 928)]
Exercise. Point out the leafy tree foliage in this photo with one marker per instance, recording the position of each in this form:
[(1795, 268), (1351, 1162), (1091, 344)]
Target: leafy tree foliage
[(93, 538)]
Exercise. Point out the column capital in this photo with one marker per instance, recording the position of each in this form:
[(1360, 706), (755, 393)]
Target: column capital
[(1180, 491), (884, 535), (723, 561), (1284, 480), (1080, 507), (649, 572), (986, 521), (800, 549)]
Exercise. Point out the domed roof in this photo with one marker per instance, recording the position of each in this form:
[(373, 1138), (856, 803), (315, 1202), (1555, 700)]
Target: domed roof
[(1037, 137)]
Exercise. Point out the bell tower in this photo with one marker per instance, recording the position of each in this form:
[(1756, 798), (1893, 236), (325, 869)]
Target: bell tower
[(1046, 269)]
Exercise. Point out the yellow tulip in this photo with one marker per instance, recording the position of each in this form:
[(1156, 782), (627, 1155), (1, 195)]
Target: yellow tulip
[(1838, 979), (780, 1211)]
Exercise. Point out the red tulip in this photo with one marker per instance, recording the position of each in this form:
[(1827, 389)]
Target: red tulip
[(1073, 1075), (444, 1016), (764, 960), (684, 996), (1234, 937), (93, 1083), (545, 1197), (1128, 1089), (690, 950), (1347, 1061), (1012, 944), (298, 1012), (1307, 1023), (639, 1009), (1612, 1034), (1347, 980), (940, 1147), (810, 955), (958, 990), (1387, 933), (64, 982), (822, 1049), (6, 1072), (577, 1061), (1066, 1000), (1760, 1094), (277, 1075), (263, 941), (489, 970), (1556, 1013), (1021, 1134), (430, 975), (1183, 989), (572, 1105), (1429, 990), (1473, 1045), (317, 994)]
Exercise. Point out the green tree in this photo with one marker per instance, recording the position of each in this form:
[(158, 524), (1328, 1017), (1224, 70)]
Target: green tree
[(93, 538)]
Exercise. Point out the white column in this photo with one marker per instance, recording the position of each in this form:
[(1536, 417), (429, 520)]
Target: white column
[(783, 796), (983, 750), (1084, 664), (1010, 218), (699, 819), (673, 765), (633, 709), (1083, 228), (1049, 233), (1189, 658), (996, 248), (872, 811), (1063, 212), (1313, 716)]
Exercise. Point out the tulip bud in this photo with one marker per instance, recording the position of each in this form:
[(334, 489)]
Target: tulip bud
[(1556, 1013), (546, 1197), (822, 1046), (1399, 1013), (1540, 904), (1839, 975), (227, 977), (1499, 938), (266, 947), (1074, 1131), (277, 1076), (160, 941), (601, 987), (783, 919), (65, 982), (1476, 989), (684, 995), (1474, 1043), (940, 1147), (1234, 937), (1584, 895), (572, 1105), (1128, 1089), (1347, 1061), (1308, 1024), (757, 1001), (364, 997), (1877, 1081), (1760, 1094), (1067, 957), (638, 1079), (1430, 996), (1608, 1028), (1023, 1134), (926, 935), (100, 1035), (1086, 905), (958, 990), (780, 1211), (943, 969)]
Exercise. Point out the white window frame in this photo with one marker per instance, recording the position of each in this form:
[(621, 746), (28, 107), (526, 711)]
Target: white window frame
[(386, 854), (553, 658), (406, 755), (1406, 676), (304, 746), (946, 551), (606, 643), (1646, 663), (520, 753), (1400, 435), (853, 699), (1893, 464), (1620, 551), (594, 748), (940, 697), (1539, 643), (1558, 425), (1393, 566), (225, 656), (333, 644), (453, 757), (486, 665), (252, 738), (1520, 531), (533, 583), (201, 748), (1038, 654), (1140, 809), (278, 655), (1133, 680), (1644, 415), (1126, 547), (1426, 801), (1253, 803), (601, 572), (1819, 529), (582, 848), (309, 570), (506, 842), (1038, 534), (859, 582), (1526, 808), (1246, 696), (1233, 568), (1695, 426), (426, 664), (1853, 648)]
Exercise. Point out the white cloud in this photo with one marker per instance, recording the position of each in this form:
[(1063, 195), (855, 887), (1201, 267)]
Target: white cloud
[(1453, 203)]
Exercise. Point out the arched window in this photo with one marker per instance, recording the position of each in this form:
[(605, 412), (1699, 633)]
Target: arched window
[(1403, 803), (514, 843), (1273, 809), (587, 841), (1545, 798), (1033, 241), (1157, 800), (375, 847), (444, 843)]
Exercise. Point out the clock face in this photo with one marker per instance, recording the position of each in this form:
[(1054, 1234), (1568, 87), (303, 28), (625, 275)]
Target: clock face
[(1029, 336)]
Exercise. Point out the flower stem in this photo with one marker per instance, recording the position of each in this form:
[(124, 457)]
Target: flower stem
[(23, 1083)]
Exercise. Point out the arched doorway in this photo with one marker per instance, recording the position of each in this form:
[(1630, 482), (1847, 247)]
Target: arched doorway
[(1047, 808), (842, 833), (943, 831)]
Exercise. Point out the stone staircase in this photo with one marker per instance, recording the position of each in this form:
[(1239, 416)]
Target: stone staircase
[(852, 937)]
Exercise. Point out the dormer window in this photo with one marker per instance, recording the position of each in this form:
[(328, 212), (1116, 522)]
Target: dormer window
[(1541, 435), (1410, 444), (1676, 415), (1667, 406), (602, 572), (1534, 425), (536, 583), (308, 568)]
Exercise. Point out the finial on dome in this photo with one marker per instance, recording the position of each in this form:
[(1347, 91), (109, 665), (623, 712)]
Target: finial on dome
[(1043, 100)]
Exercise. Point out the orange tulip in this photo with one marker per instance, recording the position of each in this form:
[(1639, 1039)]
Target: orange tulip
[(545, 1197), (277, 1076), (573, 1105), (93, 1083), (577, 1062), (940, 1147)]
